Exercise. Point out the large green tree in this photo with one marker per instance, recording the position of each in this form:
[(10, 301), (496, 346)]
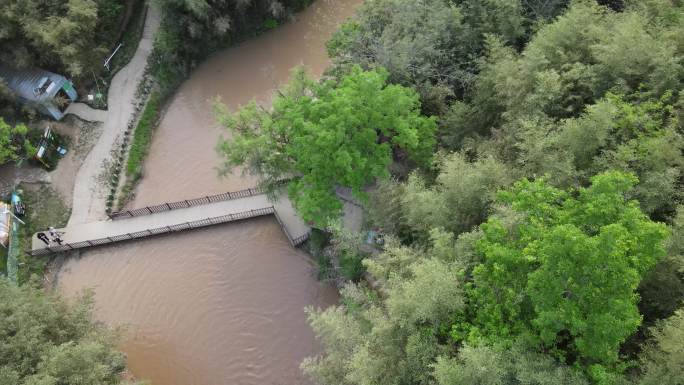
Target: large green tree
[(47, 341), (567, 269), (328, 134)]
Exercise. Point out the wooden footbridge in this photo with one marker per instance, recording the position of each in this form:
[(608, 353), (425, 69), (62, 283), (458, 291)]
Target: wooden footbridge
[(178, 216)]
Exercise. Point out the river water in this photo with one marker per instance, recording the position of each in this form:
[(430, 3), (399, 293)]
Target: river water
[(222, 305)]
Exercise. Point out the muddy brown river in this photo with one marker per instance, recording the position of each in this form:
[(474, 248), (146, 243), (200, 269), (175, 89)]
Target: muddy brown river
[(223, 305)]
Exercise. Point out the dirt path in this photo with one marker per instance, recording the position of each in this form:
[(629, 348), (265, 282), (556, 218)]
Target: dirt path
[(87, 113), (89, 188)]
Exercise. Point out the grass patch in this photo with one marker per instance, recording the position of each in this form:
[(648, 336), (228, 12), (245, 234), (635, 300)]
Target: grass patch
[(142, 136), (44, 208), (140, 144)]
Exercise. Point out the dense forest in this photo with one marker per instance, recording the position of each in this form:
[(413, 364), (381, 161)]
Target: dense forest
[(523, 160), (71, 37)]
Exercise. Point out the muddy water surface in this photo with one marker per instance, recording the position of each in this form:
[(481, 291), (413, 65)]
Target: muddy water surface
[(187, 135), (214, 307), (223, 305)]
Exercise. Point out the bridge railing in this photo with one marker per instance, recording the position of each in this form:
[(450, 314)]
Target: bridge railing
[(148, 210), (160, 230)]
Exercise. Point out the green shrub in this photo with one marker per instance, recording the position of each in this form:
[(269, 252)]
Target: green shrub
[(142, 136), (270, 23), (351, 267), (318, 240)]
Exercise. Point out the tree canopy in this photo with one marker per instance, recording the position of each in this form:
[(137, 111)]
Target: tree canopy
[(663, 359), (568, 268), (328, 134), (13, 142), (71, 36), (47, 341), (551, 271)]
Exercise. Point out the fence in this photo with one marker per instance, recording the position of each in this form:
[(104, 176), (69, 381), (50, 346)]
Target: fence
[(158, 231), (184, 204)]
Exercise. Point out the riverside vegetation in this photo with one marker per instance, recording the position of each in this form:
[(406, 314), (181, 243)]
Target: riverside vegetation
[(533, 217), (46, 340)]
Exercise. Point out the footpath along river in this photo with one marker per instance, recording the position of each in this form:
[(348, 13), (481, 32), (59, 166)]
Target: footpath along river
[(222, 305)]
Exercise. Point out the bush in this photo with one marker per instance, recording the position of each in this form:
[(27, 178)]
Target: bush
[(351, 266), (270, 23), (142, 136)]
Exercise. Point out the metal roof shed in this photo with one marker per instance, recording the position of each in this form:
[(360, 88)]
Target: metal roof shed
[(40, 89)]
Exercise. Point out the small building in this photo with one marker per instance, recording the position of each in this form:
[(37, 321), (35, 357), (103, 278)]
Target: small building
[(47, 92)]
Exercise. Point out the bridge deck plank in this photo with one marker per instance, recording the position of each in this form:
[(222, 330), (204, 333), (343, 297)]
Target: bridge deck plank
[(294, 226)]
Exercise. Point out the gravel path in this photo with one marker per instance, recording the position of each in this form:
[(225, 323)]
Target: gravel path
[(89, 191)]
